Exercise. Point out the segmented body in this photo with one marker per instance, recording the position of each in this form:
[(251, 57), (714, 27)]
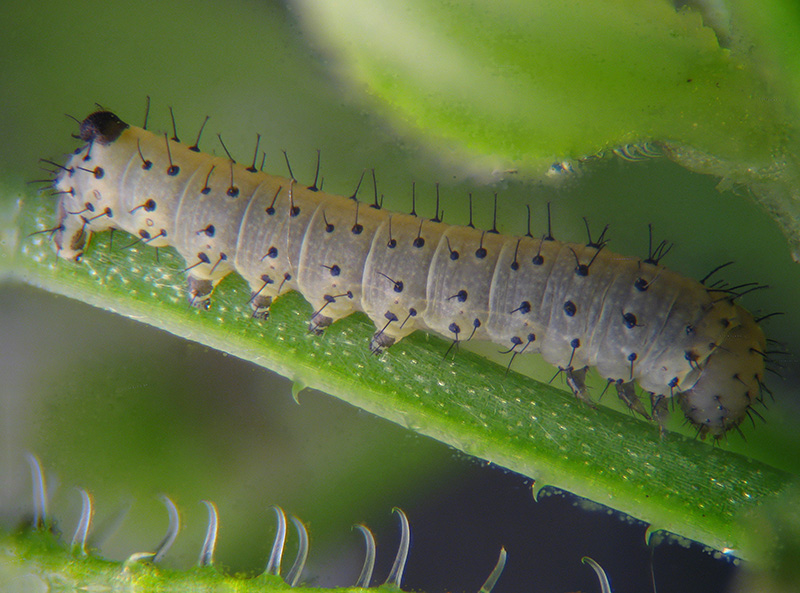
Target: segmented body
[(578, 305)]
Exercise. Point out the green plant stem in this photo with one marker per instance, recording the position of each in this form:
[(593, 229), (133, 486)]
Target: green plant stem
[(674, 483)]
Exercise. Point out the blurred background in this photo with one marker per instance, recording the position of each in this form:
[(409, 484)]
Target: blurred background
[(129, 412)]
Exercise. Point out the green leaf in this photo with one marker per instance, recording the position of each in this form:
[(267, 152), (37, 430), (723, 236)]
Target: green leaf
[(518, 84)]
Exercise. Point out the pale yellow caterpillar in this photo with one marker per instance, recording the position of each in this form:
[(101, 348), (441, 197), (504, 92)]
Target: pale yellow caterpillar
[(579, 305)]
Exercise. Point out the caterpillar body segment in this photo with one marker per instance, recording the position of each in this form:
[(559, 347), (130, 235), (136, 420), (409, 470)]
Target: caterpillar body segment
[(579, 305)]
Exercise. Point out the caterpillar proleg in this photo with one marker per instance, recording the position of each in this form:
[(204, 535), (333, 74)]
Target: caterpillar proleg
[(578, 305)]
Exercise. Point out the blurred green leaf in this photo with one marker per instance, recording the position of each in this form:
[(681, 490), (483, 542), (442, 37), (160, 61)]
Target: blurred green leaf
[(519, 84)]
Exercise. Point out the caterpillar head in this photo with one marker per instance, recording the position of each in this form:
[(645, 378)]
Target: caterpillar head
[(730, 381), (84, 205), (102, 127)]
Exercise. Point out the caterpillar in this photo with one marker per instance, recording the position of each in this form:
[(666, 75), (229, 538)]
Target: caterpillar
[(578, 305)]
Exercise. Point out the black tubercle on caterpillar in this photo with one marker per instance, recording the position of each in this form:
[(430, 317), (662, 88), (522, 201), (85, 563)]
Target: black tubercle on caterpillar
[(584, 305)]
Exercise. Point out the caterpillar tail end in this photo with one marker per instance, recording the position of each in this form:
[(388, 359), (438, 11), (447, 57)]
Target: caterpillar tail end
[(730, 381)]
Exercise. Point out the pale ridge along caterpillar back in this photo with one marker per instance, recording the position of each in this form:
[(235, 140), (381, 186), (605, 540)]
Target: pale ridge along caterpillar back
[(578, 305)]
